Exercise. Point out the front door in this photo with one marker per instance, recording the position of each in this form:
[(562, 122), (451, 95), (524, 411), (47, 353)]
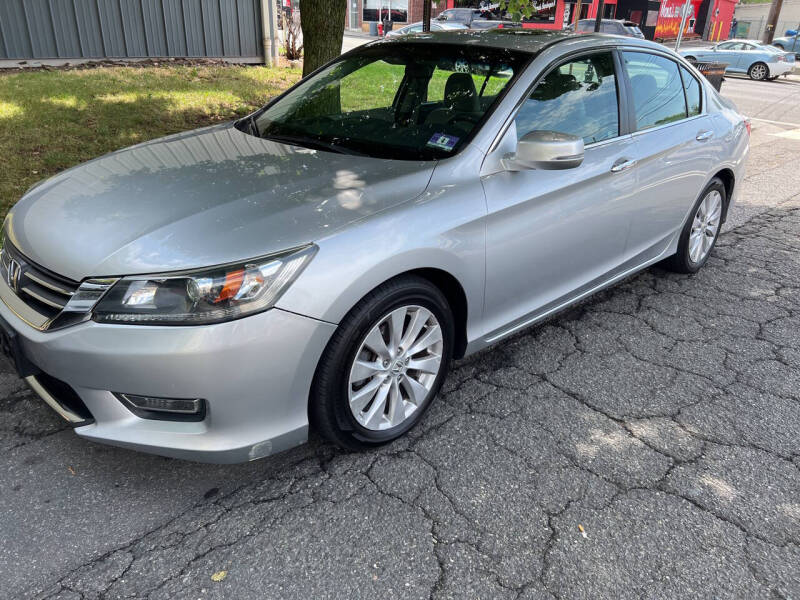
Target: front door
[(551, 234)]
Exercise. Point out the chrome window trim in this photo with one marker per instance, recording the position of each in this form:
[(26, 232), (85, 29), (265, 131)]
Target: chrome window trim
[(666, 125)]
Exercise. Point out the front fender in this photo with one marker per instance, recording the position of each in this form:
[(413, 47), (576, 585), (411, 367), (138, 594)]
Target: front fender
[(442, 229)]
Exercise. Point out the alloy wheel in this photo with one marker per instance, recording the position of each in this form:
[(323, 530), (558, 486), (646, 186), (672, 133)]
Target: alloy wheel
[(395, 367), (758, 72), (705, 226)]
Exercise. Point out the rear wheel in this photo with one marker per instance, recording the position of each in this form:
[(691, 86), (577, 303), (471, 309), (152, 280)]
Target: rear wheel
[(384, 365), (701, 231), (758, 71)]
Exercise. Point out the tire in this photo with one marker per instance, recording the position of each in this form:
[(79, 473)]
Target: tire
[(685, 260), (779, 46), (336, 409), (758, 71)]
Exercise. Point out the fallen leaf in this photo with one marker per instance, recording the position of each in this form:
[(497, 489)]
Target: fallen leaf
[(71, 470), (219, 576), (582, 530)]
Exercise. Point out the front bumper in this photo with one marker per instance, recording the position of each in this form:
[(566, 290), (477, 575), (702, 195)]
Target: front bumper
[(255, 374)]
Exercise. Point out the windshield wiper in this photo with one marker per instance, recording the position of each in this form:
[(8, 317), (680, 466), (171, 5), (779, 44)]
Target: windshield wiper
[(312, 143)]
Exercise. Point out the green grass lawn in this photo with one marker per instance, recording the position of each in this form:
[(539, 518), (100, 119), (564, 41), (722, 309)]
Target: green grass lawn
[(51, 120)]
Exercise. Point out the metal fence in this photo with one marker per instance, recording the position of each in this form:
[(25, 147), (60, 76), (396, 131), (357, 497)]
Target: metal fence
[(74, 29)]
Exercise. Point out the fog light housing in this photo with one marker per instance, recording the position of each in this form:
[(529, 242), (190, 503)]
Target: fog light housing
[(164, 409)]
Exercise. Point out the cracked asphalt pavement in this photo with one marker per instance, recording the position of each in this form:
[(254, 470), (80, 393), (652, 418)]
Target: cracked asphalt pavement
[(643, 444)]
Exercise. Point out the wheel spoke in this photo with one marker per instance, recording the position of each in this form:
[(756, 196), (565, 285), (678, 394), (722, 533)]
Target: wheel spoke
[(418, 320), (360, 398), (431, 337), (397, 409), (415, 390), (429, 364), (377, 344), (363, 369), (695, 244), (375, 412), (396, 321)]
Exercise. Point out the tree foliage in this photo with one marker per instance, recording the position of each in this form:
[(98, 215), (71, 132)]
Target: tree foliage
[(322, 22), (517, 8)]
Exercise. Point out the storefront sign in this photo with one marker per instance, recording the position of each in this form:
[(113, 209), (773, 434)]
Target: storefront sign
[(669, 18)]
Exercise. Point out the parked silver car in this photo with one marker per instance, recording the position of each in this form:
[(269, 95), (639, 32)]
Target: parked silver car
[(612, 26), (417, 28), (750, 57), (209, 294)]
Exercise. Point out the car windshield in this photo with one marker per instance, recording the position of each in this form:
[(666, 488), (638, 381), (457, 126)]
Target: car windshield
[(401, 101)]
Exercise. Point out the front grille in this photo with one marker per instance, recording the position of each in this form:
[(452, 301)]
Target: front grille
[(41, 290)]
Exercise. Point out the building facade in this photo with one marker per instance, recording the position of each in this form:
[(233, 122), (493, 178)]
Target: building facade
[(658, 19)]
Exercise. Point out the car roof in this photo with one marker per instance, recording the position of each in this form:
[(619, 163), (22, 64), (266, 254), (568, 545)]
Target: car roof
[(530, 41)]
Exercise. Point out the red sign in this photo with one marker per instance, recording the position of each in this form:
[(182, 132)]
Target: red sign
[(669, 18)]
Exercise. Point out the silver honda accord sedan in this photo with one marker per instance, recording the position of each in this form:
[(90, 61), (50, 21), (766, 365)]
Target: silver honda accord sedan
[(211, 295)]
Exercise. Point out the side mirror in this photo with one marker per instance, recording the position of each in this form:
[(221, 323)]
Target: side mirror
[(548, 150)]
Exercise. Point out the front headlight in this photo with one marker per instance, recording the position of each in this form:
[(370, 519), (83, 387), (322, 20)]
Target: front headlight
[(208, 296)]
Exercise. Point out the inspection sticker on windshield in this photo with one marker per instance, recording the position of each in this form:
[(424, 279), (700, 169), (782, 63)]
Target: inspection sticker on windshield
[(443, 141)]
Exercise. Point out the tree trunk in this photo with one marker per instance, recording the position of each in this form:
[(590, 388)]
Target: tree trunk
[(322, 22)]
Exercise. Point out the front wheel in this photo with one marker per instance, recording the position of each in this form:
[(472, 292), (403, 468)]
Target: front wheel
[(384, 365), (758, 71), (701, 231)]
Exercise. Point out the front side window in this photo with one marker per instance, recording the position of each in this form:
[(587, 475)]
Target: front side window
[(578, 97), (403, 101), (692, 90), (658, 96)]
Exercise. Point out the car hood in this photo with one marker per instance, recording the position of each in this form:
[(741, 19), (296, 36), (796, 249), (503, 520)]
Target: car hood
[(201, 198)]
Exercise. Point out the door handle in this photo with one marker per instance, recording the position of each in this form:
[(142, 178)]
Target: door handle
[(704, 136), (623, 164)]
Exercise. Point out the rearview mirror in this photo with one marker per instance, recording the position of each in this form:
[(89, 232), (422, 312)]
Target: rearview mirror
[(549, 150)]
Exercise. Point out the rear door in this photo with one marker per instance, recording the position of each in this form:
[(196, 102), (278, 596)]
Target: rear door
[(552, 234), (672, 138)]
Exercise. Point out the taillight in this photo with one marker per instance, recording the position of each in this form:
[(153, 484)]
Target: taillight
[(748, 125), (781, 58)]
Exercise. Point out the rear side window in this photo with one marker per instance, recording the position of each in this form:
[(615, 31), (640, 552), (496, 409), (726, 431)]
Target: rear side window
[(578, 97), (658, 96), (692, 89)]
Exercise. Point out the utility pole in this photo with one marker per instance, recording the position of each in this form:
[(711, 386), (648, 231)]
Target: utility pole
[(772, 20), (426, 15), (269, 27), (599, 16), (577, 14), (684, 15)]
